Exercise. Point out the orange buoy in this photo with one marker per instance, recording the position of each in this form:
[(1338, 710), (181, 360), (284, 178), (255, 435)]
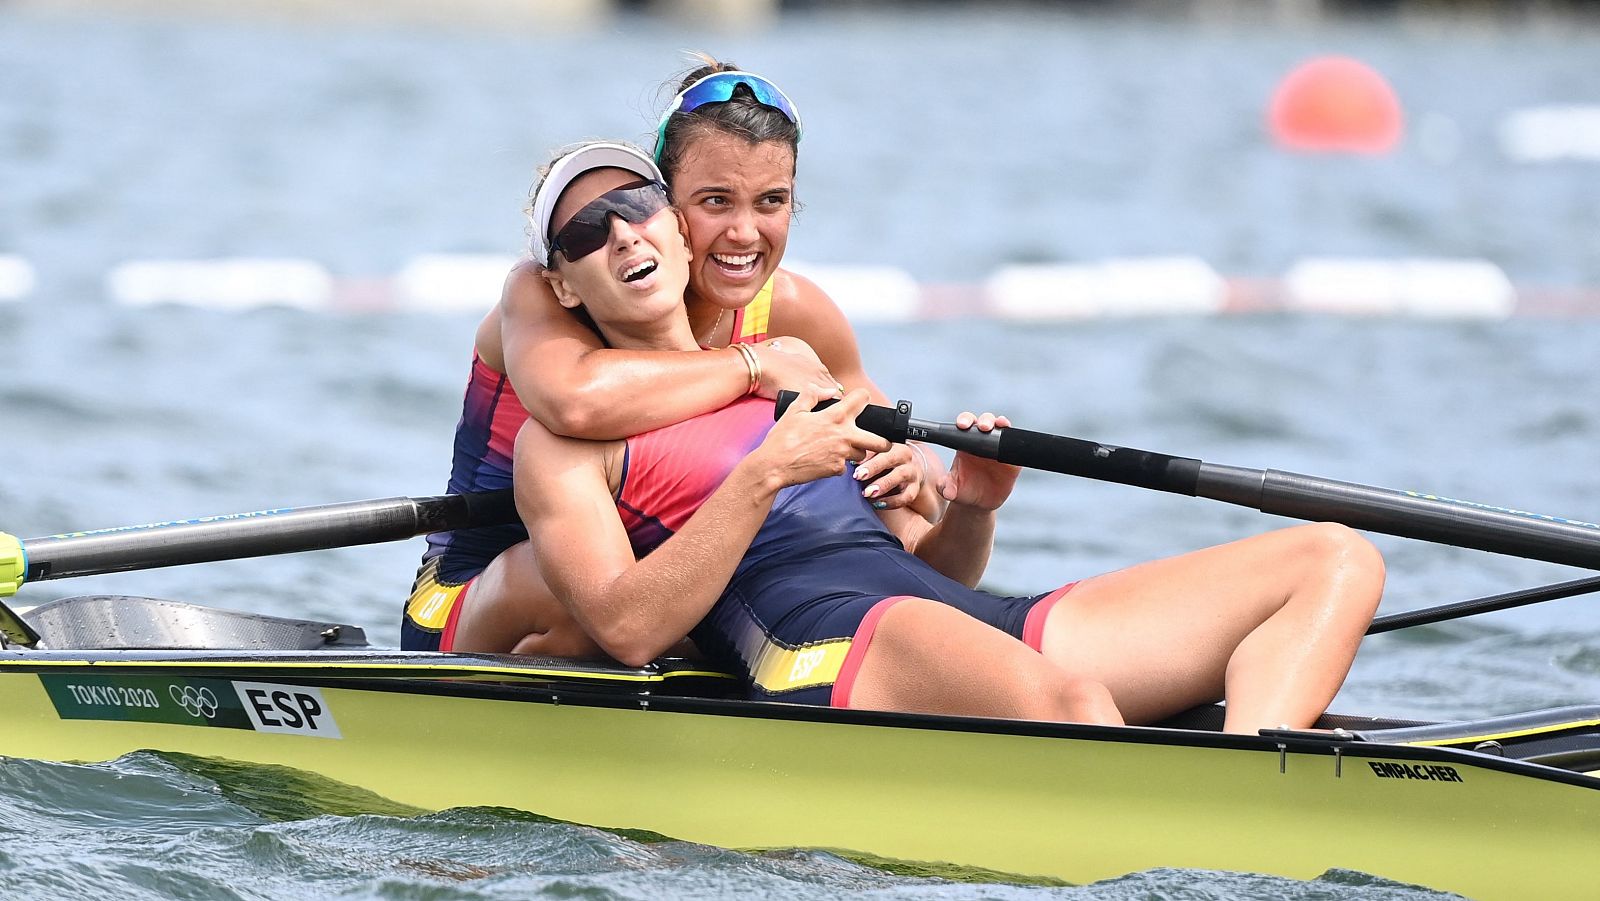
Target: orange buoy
[(1335, 104)]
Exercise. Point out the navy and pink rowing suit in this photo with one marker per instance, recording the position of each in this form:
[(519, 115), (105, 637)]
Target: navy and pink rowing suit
[(802, 606), (491, 416), (800, 611)]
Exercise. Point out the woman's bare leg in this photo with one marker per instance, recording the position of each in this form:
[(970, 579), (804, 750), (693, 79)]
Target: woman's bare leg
[(1271, 623), (927, 657), (510, 609)]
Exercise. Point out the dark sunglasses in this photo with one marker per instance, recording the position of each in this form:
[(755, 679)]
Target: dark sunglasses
[(590, 227)]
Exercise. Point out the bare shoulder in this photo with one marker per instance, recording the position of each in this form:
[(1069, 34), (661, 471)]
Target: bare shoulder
[(525, 284), (801, 308), (529, 315), (518, 293)]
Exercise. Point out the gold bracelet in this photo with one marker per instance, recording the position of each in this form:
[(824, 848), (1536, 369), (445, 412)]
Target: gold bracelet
[(755, 361), (740, 351), (751, 362)]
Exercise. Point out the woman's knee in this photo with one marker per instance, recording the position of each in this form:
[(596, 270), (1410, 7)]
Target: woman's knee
[(1078, 699), (1335, 547), (510, 603), (560, 641), (1343, 557)]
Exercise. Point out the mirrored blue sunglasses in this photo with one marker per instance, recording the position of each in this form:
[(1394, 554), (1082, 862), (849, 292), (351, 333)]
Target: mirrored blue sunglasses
[(718, 87)]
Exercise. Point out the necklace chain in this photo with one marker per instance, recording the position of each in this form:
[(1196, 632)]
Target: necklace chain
[(714, 326)]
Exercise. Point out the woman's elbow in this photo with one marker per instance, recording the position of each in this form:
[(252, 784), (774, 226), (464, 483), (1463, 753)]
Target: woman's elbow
[(583, 411), (633, 654), (635, 659), (629, 645), (568, 418)]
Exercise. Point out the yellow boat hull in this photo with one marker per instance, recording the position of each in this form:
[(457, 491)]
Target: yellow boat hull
[(1064, 802)]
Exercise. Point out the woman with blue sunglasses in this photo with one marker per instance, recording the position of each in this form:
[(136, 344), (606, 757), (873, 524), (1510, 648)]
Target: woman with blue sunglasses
[(726, 149)]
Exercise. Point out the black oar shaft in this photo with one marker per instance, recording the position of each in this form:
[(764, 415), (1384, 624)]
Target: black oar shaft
[(1406, 514), (1403, 513), (256, 534)]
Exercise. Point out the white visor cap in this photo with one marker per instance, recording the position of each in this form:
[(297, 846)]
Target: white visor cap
[(567, 169)]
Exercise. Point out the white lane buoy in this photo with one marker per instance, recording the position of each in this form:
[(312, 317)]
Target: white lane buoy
[(227, 284), (1543, 134), (444, 282), (866, 293), (1150, 286), (16, 277), (1429, 288)]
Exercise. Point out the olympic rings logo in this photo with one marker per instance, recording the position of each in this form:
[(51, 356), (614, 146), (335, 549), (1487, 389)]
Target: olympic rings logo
[(195, 701)]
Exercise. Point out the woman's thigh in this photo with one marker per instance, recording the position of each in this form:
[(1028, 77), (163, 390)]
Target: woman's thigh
[(928, 657), (1160, 634)]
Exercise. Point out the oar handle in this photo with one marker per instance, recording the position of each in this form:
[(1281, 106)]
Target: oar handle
[(256, 534), (1035, 450)]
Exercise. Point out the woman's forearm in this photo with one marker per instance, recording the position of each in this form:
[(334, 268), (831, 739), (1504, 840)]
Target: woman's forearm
[(610, 394), (577, 387)]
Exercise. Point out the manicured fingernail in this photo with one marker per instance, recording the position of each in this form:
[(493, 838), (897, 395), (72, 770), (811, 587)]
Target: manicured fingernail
[(874, 491), (880, 505)]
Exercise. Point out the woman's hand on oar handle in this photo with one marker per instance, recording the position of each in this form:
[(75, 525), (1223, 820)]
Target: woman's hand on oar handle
[(892, 479), (806, 445), (975, 481), (788, 363)]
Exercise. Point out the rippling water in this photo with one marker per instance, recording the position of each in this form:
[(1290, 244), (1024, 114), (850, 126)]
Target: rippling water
[(172, 139)]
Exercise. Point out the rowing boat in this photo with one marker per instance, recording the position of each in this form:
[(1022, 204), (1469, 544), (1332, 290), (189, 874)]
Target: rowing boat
[(1505, 807), (663, 748)]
